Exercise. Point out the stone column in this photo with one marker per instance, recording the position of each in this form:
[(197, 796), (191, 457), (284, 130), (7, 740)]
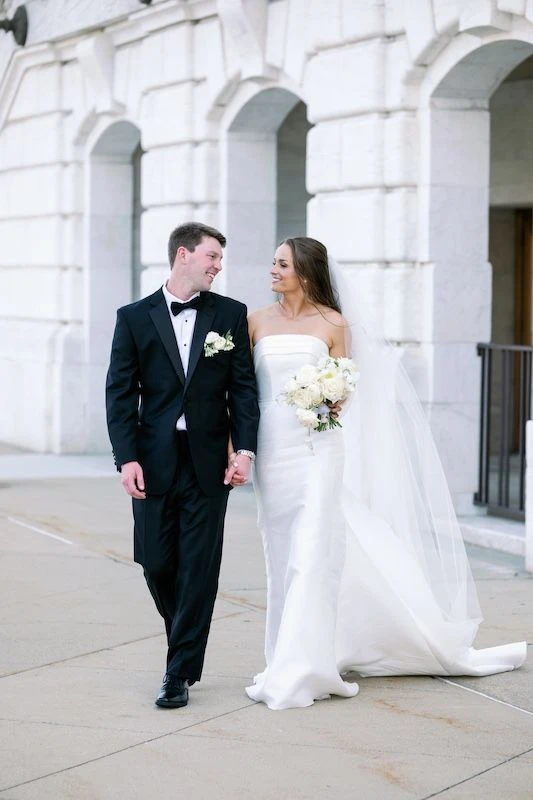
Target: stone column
[(457, 281), (529, 496), (40, 259)]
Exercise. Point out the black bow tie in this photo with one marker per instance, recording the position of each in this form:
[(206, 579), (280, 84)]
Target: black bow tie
[(177, 308)]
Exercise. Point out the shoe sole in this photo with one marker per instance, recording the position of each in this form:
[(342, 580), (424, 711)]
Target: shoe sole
[(171, 704)]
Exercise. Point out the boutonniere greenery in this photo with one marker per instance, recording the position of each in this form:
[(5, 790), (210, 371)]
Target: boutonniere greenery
[(216, 343)]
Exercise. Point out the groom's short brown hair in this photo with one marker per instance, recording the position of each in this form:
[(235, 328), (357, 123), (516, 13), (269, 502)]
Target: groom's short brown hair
[(189, 235)]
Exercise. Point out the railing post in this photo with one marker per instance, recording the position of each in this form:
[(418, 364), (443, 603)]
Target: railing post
[(529, 496)]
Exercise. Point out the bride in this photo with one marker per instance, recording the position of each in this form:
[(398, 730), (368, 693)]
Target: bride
[(366, 568)]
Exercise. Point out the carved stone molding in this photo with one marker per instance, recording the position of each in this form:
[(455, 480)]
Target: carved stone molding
[(245, 22), (96, 56), (484, 18)]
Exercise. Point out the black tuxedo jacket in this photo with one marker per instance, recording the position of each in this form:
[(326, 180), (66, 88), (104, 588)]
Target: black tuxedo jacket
[(147, 391)]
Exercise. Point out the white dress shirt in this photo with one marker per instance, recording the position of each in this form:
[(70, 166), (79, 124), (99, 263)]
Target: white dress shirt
[(183, 324)]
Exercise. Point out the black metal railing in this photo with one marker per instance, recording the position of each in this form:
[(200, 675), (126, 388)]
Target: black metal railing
[(505, 409)]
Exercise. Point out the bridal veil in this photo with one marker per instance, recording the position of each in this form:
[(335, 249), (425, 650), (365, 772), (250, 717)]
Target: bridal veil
[(393, 470)]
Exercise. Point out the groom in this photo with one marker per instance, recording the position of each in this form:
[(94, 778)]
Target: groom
[(180, 383)]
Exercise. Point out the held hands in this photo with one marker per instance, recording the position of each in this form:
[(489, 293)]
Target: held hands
[(238, 470), (237, 474), (133, 480)]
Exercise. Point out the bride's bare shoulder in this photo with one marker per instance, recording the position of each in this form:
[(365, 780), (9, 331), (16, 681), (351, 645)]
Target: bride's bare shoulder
[(333, 317), (335, 331)]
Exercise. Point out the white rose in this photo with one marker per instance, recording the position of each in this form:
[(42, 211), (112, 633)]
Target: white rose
[(308, 397), (307, 418), (334, 388), (307, 374), (291, 386), (219, 343), (301, 398), (315, 393), (211, 337)]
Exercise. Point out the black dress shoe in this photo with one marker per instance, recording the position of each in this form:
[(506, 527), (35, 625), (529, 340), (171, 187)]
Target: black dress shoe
[(174, 693)]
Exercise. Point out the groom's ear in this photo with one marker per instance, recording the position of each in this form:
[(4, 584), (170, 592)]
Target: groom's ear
[(181, 255)]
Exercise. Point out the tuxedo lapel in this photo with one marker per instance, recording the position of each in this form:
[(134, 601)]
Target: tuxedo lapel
[(204, 317), (161, 319)]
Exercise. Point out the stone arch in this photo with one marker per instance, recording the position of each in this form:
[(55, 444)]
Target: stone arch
[(434, 26), (453, 239), (111, 259), (264, 196)]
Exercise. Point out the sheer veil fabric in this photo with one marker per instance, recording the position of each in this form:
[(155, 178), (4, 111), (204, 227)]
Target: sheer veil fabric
[(400, 515)]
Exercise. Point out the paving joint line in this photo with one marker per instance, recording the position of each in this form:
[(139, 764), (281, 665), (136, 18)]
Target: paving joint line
[(243, 603), (35, 529), (125, 749), (228, 616), (129, 562), (478, 774), (124, 560), (483, 694), (80, 655), (101, 650), (55, 724), (82, 588)]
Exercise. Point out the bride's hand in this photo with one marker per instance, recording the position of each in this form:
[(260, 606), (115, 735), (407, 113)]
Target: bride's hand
[(238, 470), (335, 409)]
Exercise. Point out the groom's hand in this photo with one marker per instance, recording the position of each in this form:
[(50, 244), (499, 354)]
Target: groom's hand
[(133, 479), (238, 470)]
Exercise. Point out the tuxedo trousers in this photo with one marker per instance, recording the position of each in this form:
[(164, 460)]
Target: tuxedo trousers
[(183, 533)]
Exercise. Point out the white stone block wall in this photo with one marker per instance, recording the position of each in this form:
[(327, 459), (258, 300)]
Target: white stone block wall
[(399, 181), (180, 164), (362, 164), (38, 265), (346, 81), (350, 223)]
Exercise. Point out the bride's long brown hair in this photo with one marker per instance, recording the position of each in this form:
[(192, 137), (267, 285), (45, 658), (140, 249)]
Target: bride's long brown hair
[(310, 259)]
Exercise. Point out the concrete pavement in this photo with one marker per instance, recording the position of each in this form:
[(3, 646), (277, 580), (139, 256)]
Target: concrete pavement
[(82, 655)]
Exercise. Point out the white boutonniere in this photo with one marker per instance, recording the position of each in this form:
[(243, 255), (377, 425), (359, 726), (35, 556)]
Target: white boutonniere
[(216, 343)]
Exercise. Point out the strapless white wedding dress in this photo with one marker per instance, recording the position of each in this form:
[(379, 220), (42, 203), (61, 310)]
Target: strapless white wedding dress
[(343, 593)]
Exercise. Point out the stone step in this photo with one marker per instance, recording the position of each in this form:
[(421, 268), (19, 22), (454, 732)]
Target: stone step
[(496, 533)]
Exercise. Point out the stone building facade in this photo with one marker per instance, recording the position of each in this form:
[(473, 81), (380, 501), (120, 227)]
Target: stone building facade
[(386, 128)]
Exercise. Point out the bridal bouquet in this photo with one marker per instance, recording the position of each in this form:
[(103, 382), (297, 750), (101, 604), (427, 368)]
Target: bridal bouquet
[(331, 381)]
